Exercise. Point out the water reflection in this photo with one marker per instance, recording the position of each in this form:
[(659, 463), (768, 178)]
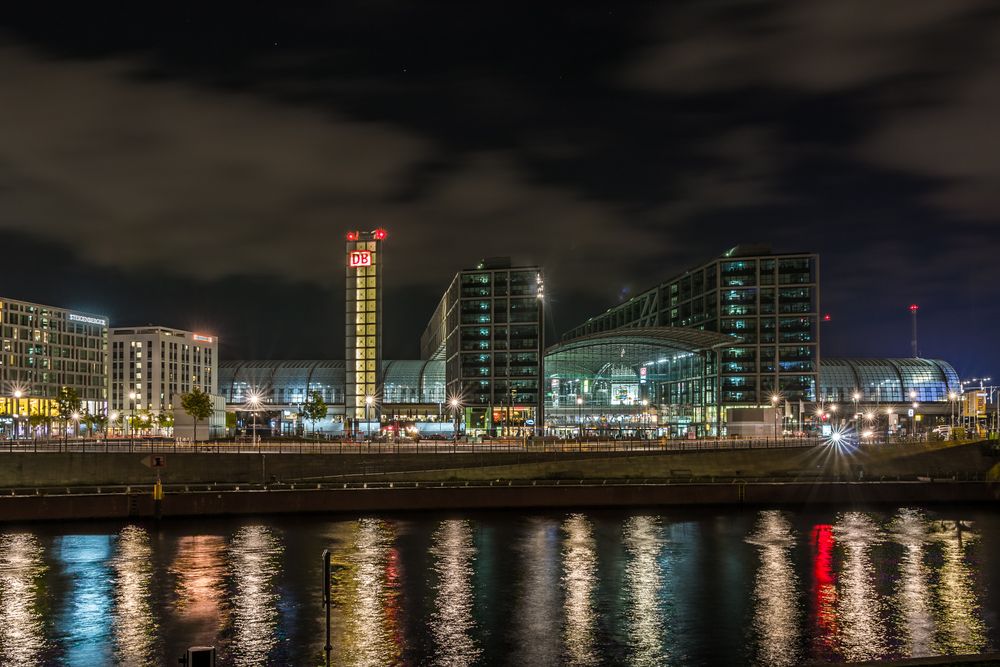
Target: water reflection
[(83, 618), (365, 593), (644, 582), (579, 573), (452, 621), (776, 616), (538, 595), (199, 569), (862, 633), (960, 626), (823, 607), (915, 623), (22, 638), (134, 625), (254, 562)]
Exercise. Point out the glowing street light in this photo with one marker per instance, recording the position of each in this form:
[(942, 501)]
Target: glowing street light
[(368, 404), (775, 399), (254, 399), (579, 417), (131, 426), (455, 405)]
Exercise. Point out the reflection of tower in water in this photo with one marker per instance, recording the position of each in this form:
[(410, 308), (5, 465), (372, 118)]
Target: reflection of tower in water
[(823, 600), (199, 569), (365, 593), (862, 630), (915, 623)]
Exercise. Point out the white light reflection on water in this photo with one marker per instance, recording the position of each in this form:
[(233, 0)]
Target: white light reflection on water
[(862, 631), (909, 528), (134, 625), (452, 623), (538, 595), (22, 629), (643, 537), (365, 593), (578, 581), (960, 627), (199, 569), (254, 562), (776, 591)]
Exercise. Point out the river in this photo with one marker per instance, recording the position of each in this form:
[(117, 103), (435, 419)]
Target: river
[(639, 587)]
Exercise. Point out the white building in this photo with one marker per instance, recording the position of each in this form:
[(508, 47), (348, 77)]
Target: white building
[(157, 363)]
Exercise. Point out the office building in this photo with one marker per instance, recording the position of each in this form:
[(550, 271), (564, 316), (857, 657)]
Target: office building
[(156, 363), (44, 348), (488, 329), (769, 302)]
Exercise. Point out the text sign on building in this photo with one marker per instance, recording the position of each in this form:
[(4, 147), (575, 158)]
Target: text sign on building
[(200, 337), (359, 258), (88, 320)]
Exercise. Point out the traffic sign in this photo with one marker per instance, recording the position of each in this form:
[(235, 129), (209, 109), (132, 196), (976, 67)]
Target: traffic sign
[(155, 461)]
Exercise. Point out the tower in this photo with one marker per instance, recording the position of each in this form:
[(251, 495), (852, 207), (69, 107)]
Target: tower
[(363, 327), (913, 342)]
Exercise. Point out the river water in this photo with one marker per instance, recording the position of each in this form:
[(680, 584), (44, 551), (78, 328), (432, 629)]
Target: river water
[(639, 587)]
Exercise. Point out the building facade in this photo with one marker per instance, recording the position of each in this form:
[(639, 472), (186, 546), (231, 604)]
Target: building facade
[(363, 324), (44, 348), (770, 303), (158, 363), (488, 328)]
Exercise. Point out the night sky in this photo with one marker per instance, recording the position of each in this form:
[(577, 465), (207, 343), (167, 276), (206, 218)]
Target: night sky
[(198, 167)]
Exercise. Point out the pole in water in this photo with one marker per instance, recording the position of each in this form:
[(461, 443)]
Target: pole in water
[(157, 497), (326, 602)]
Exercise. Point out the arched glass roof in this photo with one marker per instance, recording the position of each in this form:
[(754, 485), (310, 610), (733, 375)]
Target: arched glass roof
[(887, 380), (630, 347), (291, 382)]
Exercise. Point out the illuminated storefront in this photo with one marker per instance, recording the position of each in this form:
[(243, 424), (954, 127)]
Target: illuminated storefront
[(363, 325)]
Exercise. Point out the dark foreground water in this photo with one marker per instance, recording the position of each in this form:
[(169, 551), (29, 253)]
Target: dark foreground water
[(720, 587)]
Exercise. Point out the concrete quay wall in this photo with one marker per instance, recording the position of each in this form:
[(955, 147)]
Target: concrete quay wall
[(424, 498)]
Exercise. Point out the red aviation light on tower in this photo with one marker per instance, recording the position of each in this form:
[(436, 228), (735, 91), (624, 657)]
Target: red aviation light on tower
[(914, 307), (352, 236), (380, 234)]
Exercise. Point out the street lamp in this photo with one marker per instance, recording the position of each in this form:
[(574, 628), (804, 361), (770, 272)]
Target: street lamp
[(642, 418), (76, 426), (952, 396), (17, 408), (254, 399), (579, 418), (856, 397), (112, 418), (775, 399), (131, 425), (455, 405), (368, 427)]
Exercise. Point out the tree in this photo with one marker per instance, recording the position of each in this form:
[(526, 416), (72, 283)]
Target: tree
[(67, 404), (36, 421), (99, 422), (198, 405), (165, 420), (314, 409)]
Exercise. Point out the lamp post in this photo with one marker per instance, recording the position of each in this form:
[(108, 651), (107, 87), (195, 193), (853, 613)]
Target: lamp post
[(17, 409), (131, 420), (579, 418), (952, 397), (642, 419), (254, 399), (774, 407), (856, 397), (833, 414), (112, 418), (455, 405), (76, 424), (368, 428)]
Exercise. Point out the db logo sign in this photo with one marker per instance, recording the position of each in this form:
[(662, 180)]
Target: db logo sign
[(360, 258)]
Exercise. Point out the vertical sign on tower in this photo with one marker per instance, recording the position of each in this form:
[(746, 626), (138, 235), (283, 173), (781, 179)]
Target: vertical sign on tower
[(363, 324)]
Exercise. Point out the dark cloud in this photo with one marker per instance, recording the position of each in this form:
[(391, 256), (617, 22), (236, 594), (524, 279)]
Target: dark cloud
[(615, 145)]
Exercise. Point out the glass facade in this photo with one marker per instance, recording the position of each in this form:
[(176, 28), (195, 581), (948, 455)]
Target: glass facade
[(42, 349), (770, 303), (487, 328), (643, 382)]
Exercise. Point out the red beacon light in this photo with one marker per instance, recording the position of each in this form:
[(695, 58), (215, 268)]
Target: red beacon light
[(352, 236), (914, 308), (380, 234), (827, 318)]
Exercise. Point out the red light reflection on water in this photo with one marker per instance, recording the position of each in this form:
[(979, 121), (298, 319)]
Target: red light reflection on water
[(823, 597)]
